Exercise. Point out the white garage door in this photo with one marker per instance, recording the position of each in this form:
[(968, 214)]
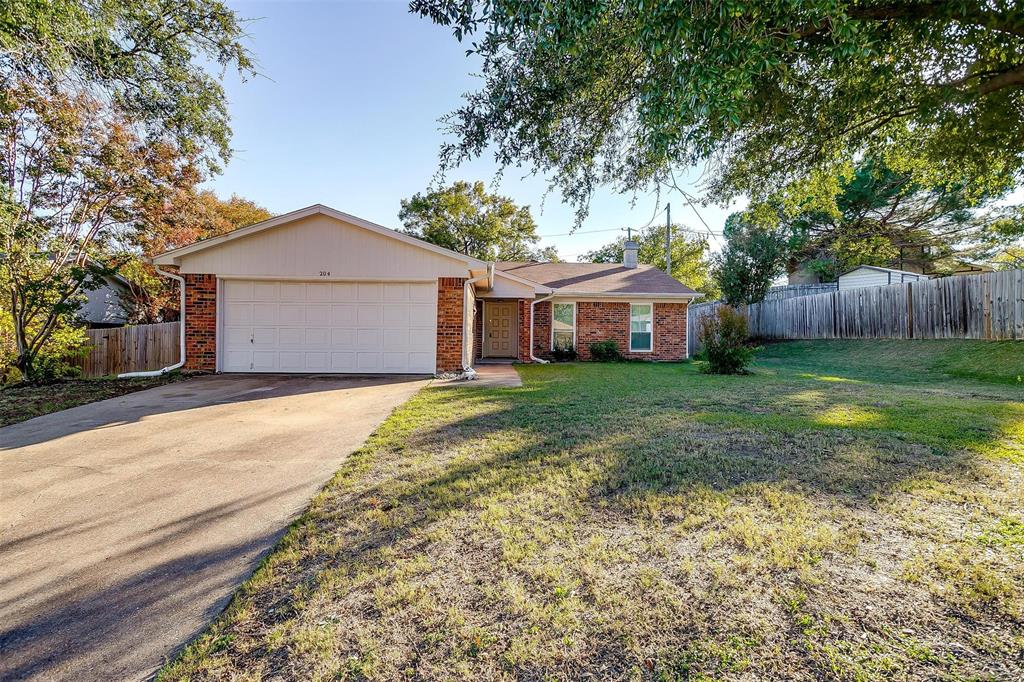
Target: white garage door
[(347, 327)]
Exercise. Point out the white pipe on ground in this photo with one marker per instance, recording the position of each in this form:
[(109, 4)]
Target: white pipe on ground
[(535, 302), (181, 336)]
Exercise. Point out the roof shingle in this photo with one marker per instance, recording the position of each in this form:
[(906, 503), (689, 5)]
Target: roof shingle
[(598, 278)]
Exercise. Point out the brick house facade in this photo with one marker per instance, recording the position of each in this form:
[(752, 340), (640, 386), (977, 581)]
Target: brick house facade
[(200, 322), (449, 323)]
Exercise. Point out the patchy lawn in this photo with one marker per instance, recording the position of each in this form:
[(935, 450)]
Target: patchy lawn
[(647, 522), (19, 403)]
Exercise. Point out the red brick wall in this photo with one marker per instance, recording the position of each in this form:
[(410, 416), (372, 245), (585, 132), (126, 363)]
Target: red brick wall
[(542, 330), (524, 330), (449, 323), (599, 321), (201, 322)]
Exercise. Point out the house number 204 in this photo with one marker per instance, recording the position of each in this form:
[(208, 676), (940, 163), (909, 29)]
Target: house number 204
[(325, 273)]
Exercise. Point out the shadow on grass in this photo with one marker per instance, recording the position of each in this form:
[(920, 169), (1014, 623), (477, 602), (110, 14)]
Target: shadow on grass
[(603, 439)]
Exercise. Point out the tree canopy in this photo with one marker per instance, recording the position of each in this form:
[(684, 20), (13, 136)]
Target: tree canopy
[(763, 92), (691, 262), (872, 215), (753, 256), (151, 58), (464, 217)]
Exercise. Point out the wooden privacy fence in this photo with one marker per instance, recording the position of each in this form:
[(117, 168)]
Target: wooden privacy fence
[(131, 349), (989, 306)]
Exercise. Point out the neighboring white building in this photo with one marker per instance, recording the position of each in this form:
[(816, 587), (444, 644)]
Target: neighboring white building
[(105, 305), (871, 276)]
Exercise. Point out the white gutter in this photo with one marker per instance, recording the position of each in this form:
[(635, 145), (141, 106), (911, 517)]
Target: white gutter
[(467, 363), (181, 340), (533, 303)]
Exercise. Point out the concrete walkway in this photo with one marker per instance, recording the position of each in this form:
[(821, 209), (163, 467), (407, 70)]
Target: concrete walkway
[(496, 376), (125, 525)]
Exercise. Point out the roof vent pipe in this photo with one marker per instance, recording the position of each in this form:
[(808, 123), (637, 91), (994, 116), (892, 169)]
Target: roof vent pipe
[(629, 251)]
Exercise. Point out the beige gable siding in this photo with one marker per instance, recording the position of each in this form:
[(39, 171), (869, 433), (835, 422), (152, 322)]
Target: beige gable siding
[(319, 244), (506, 288)]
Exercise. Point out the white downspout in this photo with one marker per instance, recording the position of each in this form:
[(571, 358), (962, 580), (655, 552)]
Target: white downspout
[(535, 302), (181, 339), (467, 362)]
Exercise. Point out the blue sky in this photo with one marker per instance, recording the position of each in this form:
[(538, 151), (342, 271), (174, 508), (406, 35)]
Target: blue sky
[(346, 114)]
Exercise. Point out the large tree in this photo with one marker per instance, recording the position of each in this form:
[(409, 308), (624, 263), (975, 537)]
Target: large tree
[(753, 256), (151, 58), (762, 91), (165, 221), (75, 173), (464, 217), (872, 215), (691, 262)]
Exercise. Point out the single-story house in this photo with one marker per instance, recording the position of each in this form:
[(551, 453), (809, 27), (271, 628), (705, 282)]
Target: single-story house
[(318, 290), (871, 276)]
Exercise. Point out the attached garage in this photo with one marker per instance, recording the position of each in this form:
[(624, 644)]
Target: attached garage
[(344, 327), (320, 291)]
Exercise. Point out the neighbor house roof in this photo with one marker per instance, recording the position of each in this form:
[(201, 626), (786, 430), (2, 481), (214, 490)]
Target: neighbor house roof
[(875, 267), (599, 279)]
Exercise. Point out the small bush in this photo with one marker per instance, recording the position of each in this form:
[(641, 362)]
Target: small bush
[(723, 335), (605, 351), (565, 353)]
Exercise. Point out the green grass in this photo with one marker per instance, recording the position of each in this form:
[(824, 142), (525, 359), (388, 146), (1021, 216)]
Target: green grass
[(25, 401), (828, 517)]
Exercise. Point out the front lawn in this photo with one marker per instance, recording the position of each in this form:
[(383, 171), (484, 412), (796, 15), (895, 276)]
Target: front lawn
[(836, 515), (18, 403)]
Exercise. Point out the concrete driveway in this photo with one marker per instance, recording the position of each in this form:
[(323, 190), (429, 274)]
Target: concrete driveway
[(125, 525)]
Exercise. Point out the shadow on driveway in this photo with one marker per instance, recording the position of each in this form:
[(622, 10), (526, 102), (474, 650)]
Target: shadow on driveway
[(126, 524)]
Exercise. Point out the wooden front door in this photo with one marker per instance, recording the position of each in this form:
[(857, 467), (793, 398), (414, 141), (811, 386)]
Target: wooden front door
[(501, 330)]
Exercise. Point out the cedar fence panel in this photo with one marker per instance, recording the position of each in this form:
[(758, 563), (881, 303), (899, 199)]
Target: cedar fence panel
[(138, 348), (989, 306)]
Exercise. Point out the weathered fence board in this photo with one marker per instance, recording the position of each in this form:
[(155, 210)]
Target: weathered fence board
[(988, 306), (130, 349)]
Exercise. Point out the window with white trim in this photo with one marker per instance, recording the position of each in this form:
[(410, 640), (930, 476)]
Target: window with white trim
[(641, 325), (563, 325)]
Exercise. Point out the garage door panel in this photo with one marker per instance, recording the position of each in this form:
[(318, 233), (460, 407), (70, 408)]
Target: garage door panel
[(238, 313), (343, 291), (343, 338), (368, 315), (291, 313), (368, 339), (318, 314), (265, 291), (421, 340), (368, 291), (368, 362), (293, 291), (361, 327), (343, 315), (422, 316), (291, 336), (396, 291), (318, 336), (264, 313), (395, 339), (343, 362)]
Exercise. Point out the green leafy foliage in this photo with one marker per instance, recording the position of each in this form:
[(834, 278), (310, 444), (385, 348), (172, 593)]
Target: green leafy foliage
[(466, 218), (564, 353), (723, 336), (762, 92), (151, 58), (872, 215), (752, 258), (691, 261), (605, 351)]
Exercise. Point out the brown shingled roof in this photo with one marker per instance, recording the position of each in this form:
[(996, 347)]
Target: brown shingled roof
[(599, 278)]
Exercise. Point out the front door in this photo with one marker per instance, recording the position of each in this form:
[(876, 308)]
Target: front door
[(500, 329)]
